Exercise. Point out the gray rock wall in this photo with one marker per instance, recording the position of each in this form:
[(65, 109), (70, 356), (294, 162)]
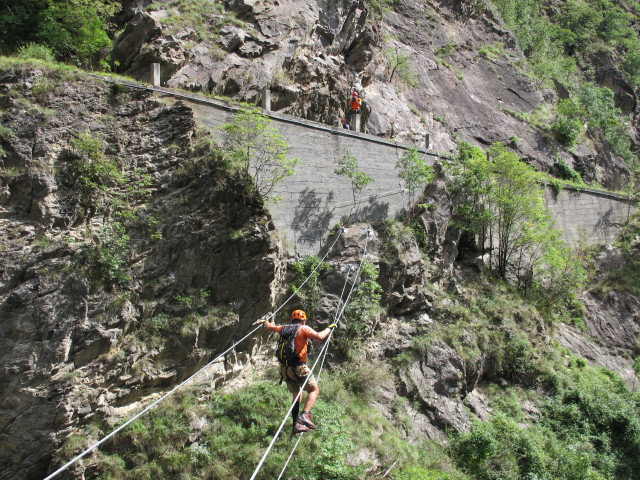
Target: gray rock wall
[(588, 216), (315, 199)]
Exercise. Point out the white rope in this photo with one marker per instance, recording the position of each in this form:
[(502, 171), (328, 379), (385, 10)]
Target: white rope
[(342, 230), (145, 410), (277, 434), (177, 387), (321, 355), (286, 464)]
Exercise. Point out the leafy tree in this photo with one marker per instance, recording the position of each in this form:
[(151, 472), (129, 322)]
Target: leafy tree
[(400, 63), (500, 201), (312, 291), (19, 23), (351, 170), (413, 170), (470, 172), (255, 146), (77, 30)]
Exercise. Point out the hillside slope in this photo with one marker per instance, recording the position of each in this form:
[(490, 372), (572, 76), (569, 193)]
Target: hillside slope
[(449, 70), (132, 255)]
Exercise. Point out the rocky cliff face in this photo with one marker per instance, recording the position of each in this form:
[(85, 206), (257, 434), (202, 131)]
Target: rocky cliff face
[(111, 295), (423, 70), (97, 292)]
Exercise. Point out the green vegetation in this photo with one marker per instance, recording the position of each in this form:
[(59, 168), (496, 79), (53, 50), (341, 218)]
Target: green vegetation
[(492, 51), (312, 291), (400, 63), (255, 146), (499, 205), (446, 51), (379, 7), (567, 126), (349, 168), (560, 42), (75, 32), (35, 51), (565, 172), (626, 277), (106, 260), (156, 330), (588, 429), (363, 309), (413, 171), (237, 428), (206, 17), (193, 303)]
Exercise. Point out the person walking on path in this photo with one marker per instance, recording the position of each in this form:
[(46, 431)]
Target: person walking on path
[(292, 354)]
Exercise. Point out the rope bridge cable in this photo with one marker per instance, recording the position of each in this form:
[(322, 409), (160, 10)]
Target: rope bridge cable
[(277, 434), (286, 464), (180, 385), (321, 355), (149, 407), (335, 320)]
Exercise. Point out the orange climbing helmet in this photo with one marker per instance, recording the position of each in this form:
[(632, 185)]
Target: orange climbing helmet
[(299, 315)]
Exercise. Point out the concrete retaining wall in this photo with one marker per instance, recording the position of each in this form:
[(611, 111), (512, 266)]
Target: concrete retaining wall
[(315, 199), (588, 216)]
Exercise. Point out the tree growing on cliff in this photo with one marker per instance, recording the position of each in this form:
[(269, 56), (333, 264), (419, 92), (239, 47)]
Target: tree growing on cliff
[(413, 171), (77, 31), (349, 168), (500, 200), (256, 146)]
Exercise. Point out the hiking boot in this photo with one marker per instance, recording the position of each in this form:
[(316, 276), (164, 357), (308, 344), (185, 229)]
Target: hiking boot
[(305, 419), (299, 428)]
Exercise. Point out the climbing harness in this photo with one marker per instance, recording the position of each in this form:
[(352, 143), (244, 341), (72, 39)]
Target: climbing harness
[(321, 356), (180, 385)]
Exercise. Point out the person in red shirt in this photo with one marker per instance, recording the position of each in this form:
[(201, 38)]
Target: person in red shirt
[(356, 102), (295, 373)]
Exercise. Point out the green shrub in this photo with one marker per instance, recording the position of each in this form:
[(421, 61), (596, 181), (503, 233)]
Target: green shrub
[(595, 409), (491, 51), (418, 473), (310, 294), (33, 50), (107, 260), (565, 172), (567, 126), (363, 307)]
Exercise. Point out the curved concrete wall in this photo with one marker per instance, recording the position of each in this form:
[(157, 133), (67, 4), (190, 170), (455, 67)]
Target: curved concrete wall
[(588, 216), (315, 199)]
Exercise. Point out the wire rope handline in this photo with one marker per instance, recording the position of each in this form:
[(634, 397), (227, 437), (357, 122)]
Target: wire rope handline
[(146, 409), (183, 383), (321, 355), (286, 464)]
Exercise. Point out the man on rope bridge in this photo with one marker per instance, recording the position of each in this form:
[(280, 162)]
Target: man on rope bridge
[(292, 355)]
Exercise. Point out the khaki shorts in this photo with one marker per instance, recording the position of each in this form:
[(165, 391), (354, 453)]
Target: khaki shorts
[(295, 377)]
